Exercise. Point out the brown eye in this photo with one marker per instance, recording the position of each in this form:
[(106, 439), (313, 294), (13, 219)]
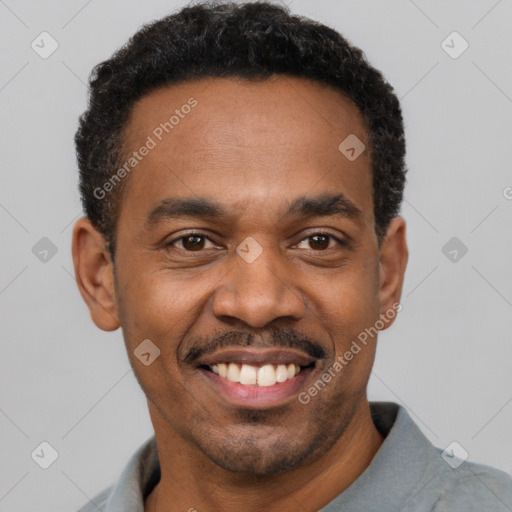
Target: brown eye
[(319, 242), (193, 242)]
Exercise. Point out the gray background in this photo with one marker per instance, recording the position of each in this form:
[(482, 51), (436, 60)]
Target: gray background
[(447, 359)]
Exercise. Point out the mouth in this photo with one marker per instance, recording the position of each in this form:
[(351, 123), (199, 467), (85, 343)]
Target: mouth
[(257, 378), (250, 375)]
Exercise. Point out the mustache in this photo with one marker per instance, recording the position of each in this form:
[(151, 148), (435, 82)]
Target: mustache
[(276, 338)]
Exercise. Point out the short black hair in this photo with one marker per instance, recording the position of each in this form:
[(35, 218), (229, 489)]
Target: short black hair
[(250, 40)]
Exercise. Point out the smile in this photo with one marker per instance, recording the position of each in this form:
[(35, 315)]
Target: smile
[(256, 378), (249, 375)]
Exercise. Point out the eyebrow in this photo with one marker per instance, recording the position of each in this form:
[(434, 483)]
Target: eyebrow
[(203, 208), (323, 206)]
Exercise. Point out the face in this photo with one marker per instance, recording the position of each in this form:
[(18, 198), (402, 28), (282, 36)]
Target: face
[(246, 251)]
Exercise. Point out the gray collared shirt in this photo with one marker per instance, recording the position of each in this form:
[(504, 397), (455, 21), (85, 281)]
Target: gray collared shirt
[(407, 474)]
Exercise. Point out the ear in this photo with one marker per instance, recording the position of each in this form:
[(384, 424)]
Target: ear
[(393, 261), (94, 273)]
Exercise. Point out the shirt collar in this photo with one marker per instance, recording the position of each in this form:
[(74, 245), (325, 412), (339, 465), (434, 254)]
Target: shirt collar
[(405, 463)]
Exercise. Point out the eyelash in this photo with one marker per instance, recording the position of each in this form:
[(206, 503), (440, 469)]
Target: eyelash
[(340, 241)]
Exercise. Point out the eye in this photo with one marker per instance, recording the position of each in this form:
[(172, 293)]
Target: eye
[(319, 242), (192, 242)]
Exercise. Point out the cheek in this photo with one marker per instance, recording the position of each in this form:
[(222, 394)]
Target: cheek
[(152, 308), (350, 310), (351, 300), (161, 306)]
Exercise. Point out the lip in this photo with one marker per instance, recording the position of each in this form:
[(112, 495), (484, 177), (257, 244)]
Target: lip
[(252, 396), (257, 357)]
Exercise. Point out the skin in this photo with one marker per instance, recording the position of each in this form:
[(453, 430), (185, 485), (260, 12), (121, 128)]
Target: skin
[(253, 148)]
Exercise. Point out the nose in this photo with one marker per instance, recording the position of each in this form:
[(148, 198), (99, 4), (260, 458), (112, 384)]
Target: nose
[(258, 292)]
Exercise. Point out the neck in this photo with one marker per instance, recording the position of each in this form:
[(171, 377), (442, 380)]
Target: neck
[(198, 484)]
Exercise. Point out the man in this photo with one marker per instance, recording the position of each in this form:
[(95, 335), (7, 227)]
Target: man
[(242, 171)]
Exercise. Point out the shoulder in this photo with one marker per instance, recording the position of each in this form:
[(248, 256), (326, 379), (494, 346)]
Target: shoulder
[(137, 478), (475, 487)]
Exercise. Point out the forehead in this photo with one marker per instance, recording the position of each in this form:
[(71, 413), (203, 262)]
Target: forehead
[(245, 143)]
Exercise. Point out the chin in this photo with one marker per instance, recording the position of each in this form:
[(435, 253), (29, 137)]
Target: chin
[(267, 454), (256, 462)]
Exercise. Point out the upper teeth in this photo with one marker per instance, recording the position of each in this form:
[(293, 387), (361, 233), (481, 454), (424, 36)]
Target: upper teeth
[(246, 374)]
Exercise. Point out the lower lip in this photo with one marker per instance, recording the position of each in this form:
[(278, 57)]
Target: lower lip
[(257, 397)]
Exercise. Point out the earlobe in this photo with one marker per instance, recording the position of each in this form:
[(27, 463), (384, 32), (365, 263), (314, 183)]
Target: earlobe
[(393, 261), (95, 274)]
